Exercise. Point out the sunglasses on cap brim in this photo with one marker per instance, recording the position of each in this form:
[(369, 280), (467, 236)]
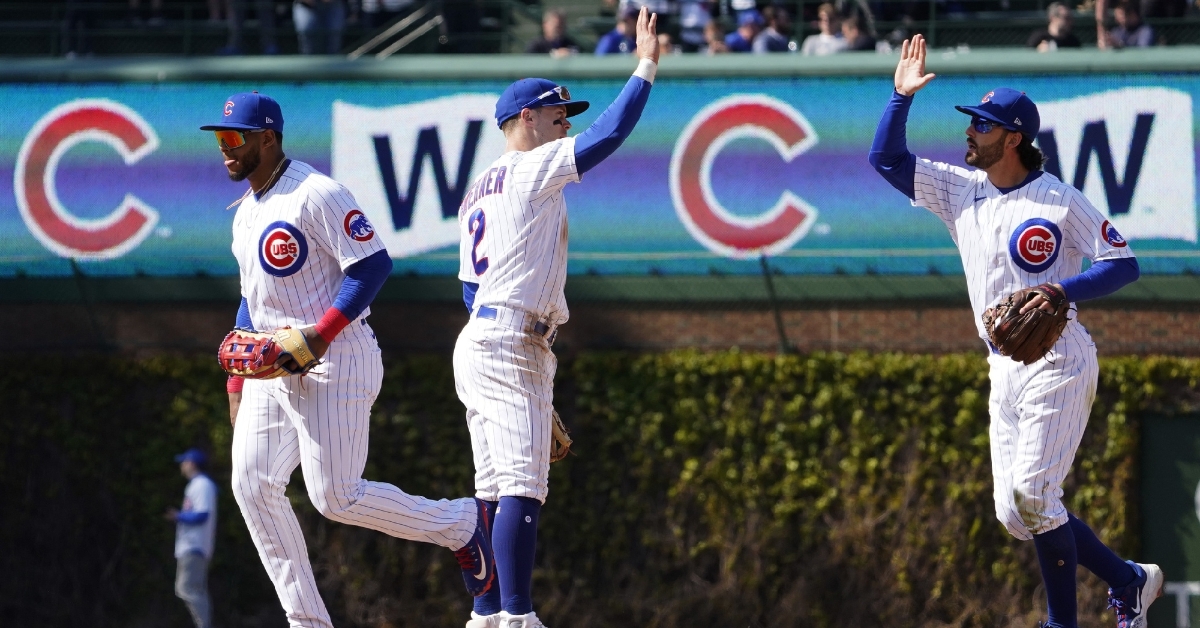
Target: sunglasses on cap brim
[(985, 126), (229, 139), (562, 92)]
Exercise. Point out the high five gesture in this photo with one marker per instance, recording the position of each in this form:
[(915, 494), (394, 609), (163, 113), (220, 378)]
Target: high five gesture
[(910, 72)]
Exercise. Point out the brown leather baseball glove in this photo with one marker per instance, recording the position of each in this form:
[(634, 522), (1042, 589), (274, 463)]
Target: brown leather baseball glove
[(560, 439), (258, 355), (1029, 336)]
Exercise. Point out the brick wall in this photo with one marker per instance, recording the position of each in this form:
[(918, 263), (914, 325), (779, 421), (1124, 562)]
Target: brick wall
[(434, 327)]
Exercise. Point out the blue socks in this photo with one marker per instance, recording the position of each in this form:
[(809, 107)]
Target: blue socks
[(1057, 557), (489, 603), (514, 540), (1097, 558)]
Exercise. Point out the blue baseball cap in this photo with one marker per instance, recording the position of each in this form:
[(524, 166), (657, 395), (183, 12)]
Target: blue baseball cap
[(1010, 109), (750, 16), (193, 455), (249, 111), (531, 93)]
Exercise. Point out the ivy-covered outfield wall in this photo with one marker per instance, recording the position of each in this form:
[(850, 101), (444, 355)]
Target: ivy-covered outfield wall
[(723, 489)]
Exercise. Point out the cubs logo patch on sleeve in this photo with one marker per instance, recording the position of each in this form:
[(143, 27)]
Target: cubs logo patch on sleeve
[(282, 249), (358, 227), (1111, 236), (1034, 245)]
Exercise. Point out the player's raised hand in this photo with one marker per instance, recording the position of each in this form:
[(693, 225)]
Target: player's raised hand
[(647, 35), (910, 72)]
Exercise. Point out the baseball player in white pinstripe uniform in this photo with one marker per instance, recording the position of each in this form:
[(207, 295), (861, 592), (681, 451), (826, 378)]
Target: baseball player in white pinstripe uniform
[(1018, 227), (513, 264), (310, 260)]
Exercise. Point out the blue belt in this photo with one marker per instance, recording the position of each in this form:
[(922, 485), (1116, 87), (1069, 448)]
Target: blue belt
[(992, 347), (489, 313)]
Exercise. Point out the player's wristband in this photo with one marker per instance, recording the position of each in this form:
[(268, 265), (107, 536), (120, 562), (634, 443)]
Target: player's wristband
[(331, 324), (646, 70), (234, 384)]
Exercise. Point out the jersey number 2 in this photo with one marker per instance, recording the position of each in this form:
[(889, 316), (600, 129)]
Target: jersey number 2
[(475, 226)]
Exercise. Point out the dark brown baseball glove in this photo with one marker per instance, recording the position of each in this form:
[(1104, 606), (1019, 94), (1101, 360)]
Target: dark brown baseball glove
[(1029, 336)]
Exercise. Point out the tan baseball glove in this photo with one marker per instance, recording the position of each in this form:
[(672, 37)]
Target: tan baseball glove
[(560, 441), (258, 355), (1030, 336)]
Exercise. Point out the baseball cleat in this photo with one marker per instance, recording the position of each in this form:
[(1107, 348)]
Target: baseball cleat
[(476, 559), (528, 620), (1137, 596), (484, 621)]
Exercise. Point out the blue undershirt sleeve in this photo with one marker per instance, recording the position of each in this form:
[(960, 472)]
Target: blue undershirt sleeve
[(192, 518), (1102, 279), (607, 133), (889, 152), (243, 316), (363, 280), (469, 290)]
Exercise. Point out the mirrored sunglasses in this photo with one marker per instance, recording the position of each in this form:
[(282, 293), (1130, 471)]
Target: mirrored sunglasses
[(562, 92), (229, 139), (985, 126)]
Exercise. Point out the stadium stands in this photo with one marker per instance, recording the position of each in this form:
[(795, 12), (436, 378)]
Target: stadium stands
[(189, 28)]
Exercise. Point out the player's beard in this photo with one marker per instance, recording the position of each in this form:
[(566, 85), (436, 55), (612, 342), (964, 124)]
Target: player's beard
[(984, 157), (249, 164)]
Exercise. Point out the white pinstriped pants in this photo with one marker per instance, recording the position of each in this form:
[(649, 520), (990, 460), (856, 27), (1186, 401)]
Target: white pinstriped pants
[(1038, 414), (505, 378), (320, 422)]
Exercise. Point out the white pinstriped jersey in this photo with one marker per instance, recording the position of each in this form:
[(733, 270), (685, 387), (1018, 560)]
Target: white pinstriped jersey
[(513, 230), (294, 244), (1038, 233)]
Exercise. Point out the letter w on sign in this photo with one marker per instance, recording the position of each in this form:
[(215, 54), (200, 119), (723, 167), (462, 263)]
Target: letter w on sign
[(1131, 152), (409, 165)]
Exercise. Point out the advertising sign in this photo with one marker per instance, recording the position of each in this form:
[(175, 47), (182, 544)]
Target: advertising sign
[(116, 179)]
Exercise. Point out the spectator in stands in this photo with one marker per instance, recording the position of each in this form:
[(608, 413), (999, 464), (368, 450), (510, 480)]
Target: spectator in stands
[(376, 13), (666, 46), (1058, 32), (156, 12), (319, 25), (830, 39), (714, 39), (694, 16), (620, 39), (264, 10), (1131, 31), (750, 24), (1149, 8), (774, 37), (856, 37), (554, 40)]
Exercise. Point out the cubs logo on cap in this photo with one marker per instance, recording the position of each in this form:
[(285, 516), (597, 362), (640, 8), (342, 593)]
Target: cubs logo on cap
[(1111, 236), (249, 111), (358, 227), (1034, 245), (282, 249), (1009, 108)]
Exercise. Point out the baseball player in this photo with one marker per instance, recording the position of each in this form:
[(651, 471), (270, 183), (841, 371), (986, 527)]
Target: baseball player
[(195, 536), (1017, 227), (309, 259), (513, 264)]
